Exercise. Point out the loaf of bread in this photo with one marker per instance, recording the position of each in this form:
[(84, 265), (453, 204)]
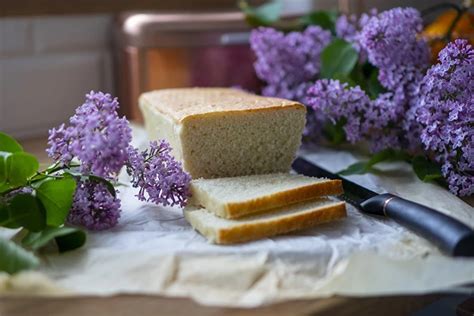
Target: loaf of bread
[(219, 132), (280, 221), (240, 196)]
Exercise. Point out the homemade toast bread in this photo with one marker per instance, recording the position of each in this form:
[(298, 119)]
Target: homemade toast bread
[(280, 221), (221, 132), (240, 196)]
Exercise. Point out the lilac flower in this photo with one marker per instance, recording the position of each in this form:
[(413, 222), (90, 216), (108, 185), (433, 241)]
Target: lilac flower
[(159, 176), (94, 207), (362, 117), (348, 27), (58, 142), (97, 136), (392, 44), (288, 63), (445, 111), (390, 38)]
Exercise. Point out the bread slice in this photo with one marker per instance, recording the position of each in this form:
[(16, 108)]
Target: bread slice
[(240, 196), (219, 132), (295, 217)]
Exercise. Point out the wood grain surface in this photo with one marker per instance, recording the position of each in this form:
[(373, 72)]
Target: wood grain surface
[(124, 305)]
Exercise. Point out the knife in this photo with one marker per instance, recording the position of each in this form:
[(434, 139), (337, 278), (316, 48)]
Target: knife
[(450, 235)]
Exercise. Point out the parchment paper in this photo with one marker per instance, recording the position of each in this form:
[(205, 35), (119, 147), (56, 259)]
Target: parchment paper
[(154, 251)]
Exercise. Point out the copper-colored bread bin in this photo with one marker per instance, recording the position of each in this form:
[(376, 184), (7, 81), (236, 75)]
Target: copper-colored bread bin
[(157, 51)]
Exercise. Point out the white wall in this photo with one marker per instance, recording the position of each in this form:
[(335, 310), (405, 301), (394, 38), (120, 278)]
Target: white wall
[(47, 65)]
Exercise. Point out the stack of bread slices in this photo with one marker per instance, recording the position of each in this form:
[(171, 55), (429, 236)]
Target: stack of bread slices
[(238, 148)]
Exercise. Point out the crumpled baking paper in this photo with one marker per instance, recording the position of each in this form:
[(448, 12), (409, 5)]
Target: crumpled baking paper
[(154, 251)]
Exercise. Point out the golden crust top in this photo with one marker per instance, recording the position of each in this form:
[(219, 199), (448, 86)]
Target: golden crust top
[(180, 103)]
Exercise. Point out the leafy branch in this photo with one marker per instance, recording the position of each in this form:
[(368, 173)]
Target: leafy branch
[(425, 169), (38, 202)]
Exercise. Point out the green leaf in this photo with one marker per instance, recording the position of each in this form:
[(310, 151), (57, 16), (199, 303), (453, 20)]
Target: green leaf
[(339, 57), (386, 155), (71, 241), (426, 170), (345, 79), (108, 184), (374, 88), (335, 133), (20, 167), (324, 19), (3, 170), (66, 238), (28, 212), (56, 196), (263, 15), (4, 187), (356, 168), (13, 258), (4, 214), (9, 144)]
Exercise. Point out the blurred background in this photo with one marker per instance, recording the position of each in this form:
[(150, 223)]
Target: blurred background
[(52, 52)]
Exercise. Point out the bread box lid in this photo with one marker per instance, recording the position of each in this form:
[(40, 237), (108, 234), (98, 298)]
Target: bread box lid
[(151, 30)]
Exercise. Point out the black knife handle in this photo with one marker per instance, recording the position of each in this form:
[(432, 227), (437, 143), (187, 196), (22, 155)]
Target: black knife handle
[(449, 234)]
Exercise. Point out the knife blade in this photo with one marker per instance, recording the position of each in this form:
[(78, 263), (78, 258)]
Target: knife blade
[(450, 235)]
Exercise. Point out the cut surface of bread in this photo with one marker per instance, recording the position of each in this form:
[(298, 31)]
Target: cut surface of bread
[(280, 221), (219, 132), (235, 197)]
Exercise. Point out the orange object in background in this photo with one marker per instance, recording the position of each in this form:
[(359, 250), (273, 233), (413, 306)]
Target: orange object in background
[(436, 32), (171, 50)]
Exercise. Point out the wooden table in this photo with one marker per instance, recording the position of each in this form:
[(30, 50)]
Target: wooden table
[(159, 305)]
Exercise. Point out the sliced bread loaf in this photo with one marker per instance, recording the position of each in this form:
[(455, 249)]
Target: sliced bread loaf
[(235, 197), (291, 218), (219, 132)]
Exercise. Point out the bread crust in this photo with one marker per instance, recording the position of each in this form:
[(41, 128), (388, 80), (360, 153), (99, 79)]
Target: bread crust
[(235, 210), (272, 226), (254, 231), (288, 197), (183, 104)]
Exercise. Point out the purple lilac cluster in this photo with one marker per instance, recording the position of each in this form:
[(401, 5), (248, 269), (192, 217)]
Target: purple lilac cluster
[(96, 136), (446, 113), (288, 63), (159, 176), (369, 119), (392, 44), (390, 41), (349, 27), (94, 206), (100, 140)]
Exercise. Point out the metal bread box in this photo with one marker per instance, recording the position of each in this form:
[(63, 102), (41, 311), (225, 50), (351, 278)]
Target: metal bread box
[(169, 50)]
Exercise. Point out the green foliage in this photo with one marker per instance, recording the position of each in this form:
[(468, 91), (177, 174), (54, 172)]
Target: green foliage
[(9, 144), (386, 155), (3, 170), (14, 258), (264, 15), (335, 133), (373, 87), (324, 19), (56, 196), (41, 210), (345, 79), (66, 238), (338, 58), (108, 184), (19, 167), (28, 212), (426, 170)]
